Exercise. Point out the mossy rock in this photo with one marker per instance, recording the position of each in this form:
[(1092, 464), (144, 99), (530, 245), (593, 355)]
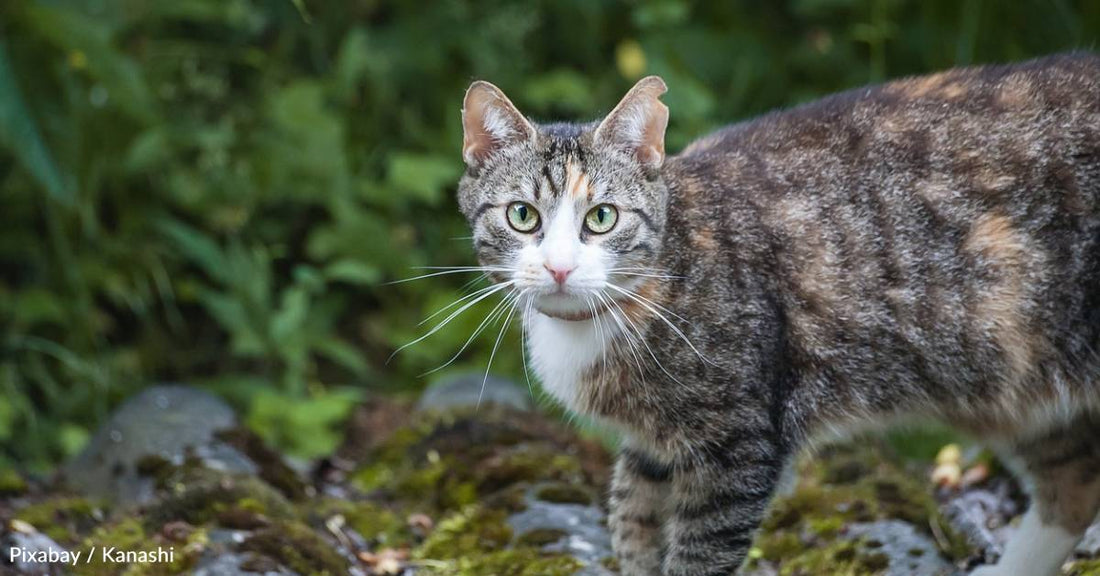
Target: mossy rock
[(198, 495), (541, 537), (520, 562), (559, 493), (381, 526), (840, 558), (297, 547), (12, 483), (61, 517), (273, 469), (803, 533), (130, 534), (1084, 568), (473, 531), (449, 461)]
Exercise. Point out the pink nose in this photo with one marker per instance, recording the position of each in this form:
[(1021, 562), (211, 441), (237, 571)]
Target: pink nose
[(559, 274)]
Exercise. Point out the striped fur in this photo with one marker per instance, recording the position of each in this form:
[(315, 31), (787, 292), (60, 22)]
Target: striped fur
[(926, 248)]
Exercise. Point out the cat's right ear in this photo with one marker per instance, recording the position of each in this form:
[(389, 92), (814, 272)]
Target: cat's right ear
[(490, 123)]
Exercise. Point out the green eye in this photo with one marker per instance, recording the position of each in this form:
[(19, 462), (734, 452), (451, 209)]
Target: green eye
[(523, 217), (601, 219)]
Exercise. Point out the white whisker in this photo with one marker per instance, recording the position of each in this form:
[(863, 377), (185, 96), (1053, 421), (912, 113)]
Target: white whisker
[(493, 290), (523, 345), (674, 328), (443, 273), (507, 322), (460, 300), (646, 344), (627, 335), (492, 316)]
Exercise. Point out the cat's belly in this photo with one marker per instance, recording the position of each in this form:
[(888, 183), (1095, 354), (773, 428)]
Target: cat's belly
[(562, 352)]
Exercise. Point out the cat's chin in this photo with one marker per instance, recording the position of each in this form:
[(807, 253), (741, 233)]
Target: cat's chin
[(564, 308)]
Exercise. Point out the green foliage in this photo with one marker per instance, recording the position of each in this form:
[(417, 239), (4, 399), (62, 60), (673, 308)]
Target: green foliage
[(218, 191)]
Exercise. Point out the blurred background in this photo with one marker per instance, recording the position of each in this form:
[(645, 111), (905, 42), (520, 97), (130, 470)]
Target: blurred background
[(220, 192)]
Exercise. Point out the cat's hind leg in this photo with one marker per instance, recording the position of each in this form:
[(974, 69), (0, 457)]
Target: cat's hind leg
[(1063, 468)]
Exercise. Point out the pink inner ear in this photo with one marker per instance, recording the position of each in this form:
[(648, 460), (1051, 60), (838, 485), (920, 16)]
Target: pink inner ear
[(490, 121), (650, 155), (638, 123)]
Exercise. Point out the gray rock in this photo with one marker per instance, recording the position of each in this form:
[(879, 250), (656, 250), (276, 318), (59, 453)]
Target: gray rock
[(983, 516), (32, 542), (1090, 544), (585, 536), (466, 390), (910, 552), (164, 421)]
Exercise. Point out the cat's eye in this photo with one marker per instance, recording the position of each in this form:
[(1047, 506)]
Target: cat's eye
[(601, 219), (523, 217)]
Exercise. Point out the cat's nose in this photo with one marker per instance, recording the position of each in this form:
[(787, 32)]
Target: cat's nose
[(559, 273)]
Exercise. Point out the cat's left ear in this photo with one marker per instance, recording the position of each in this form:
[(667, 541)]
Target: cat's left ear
[(637, 125)]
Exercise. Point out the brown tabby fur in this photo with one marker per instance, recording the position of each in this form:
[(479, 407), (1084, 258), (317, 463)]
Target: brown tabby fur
[(929, 247)]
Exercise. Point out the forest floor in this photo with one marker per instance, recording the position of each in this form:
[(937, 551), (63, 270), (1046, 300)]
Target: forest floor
[(440, 488)]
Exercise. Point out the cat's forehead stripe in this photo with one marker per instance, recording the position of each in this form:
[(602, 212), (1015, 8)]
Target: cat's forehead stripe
[(577, 183)]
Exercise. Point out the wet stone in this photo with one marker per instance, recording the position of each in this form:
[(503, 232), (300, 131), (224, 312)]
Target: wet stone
[(32, 543), (468, 390), (905, 551), (167, 422), (574, 529)]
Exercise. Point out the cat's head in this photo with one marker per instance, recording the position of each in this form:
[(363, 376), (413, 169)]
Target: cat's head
[(571, 214)]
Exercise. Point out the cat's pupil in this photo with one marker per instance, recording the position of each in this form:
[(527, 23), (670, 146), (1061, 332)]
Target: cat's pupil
[(522, 213), (601, 214)]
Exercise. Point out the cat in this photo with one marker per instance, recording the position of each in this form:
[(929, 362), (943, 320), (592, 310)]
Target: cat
[(927, 247)]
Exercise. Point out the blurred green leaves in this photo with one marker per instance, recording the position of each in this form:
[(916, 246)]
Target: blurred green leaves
[(19, 134), (218, 191)]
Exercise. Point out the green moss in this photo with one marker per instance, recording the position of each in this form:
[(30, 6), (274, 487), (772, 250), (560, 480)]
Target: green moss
[(374, 477), (611, 563), (273, 469), (780, 545), (521, 562), (62, 518), (564, 494), (1084, 568), (129, 534), (297, 547), (456, 459), (803, 532), (238, 517), (540, 537), (11, 483), (198, 496), (827, 527), (381, 526), (156, 467), (513, 499), (472, 531), (840, 558)]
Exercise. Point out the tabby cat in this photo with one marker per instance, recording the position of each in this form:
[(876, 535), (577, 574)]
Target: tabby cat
[(925, 248)]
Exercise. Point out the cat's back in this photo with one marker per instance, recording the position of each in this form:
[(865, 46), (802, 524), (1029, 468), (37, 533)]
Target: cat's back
[(954, 107), (944, 229)]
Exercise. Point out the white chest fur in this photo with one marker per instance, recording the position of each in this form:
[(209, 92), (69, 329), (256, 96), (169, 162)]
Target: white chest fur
[(561, 351)]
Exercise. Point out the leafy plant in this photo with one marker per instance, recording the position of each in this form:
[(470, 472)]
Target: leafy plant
[(219, 191)]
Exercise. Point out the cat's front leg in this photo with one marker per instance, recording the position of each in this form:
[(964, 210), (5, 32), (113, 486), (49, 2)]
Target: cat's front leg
[(639, 493), (718, 501)]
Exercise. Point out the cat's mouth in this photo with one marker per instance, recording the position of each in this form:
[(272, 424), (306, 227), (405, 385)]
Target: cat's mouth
[(570, 308)]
